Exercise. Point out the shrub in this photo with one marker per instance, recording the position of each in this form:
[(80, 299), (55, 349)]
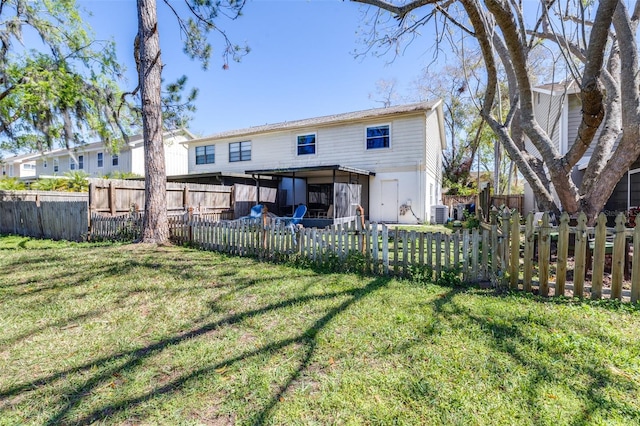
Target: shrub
[(11, 184)]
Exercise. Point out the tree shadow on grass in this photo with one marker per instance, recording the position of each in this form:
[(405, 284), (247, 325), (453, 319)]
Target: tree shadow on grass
[(130, 360), (550, 365)]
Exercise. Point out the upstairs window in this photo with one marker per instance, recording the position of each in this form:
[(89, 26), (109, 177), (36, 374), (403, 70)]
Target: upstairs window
[(378, 137), (100, 159), (239, 151), (307, 144), (205, 154), (114, 160)]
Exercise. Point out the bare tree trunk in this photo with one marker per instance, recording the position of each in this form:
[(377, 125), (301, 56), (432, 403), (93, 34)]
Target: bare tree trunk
[(155, 227)]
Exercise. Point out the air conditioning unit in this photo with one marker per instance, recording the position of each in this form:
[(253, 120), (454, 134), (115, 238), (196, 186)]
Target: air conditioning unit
[(439, 214)]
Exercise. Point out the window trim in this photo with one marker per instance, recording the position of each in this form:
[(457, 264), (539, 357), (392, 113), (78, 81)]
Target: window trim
[(366, 137), (100, 159), (240, 151), (204, 157), (315, 144)]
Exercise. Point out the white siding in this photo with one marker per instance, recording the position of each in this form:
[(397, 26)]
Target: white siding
[(574, 120), (340, 144), (548, 114), (413, 158), (411, 186), (176, 157), (137, 160)]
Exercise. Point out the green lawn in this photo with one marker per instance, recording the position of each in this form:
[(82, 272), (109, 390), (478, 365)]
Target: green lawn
[(134, 334)]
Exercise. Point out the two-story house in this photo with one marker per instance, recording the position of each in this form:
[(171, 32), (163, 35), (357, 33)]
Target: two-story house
[(558, 110), (96, 160), (19, 166), (388, 160)]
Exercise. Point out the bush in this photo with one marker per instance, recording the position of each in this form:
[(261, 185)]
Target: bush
[(11, 184), (471, 220)]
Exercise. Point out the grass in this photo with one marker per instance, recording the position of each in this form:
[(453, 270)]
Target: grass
[(423, 228), (135, 334)]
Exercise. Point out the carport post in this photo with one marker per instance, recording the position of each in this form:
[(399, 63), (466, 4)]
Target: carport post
[(257, 179), (293, 185)]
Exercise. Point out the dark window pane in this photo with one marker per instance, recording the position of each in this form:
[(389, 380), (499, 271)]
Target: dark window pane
[(377, 137), (306, 144), (205, 154), (240, 151)]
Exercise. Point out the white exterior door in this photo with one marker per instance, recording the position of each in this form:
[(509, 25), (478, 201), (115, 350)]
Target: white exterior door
[(389, 200)]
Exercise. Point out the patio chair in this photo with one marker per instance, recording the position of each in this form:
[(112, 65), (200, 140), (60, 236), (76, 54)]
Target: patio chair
[(255, 213), (298, 215)]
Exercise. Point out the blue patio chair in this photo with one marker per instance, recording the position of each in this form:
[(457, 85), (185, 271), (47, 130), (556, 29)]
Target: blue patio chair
[(298, 215), (255, 213)]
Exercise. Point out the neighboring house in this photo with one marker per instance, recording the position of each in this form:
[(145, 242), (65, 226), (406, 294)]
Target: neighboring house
[(19, 166), (388, 160), (96, 160), (558, 110)]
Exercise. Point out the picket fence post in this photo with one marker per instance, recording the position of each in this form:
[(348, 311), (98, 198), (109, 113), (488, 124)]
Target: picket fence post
[(617, 257), (599, 251), (514, 246), (563, 254), (544, 253), (635, 272)]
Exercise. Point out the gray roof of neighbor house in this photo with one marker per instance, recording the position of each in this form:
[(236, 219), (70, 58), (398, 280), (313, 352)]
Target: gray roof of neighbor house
[(20, 158), (327, 119)]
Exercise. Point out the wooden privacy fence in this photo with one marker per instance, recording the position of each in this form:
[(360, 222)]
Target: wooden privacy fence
[(39, 196), (487, 201), (117, 197), (57, 220)]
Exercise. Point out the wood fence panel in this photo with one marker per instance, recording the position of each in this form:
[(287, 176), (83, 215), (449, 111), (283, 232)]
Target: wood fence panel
[(529, 237), (599, 251), (117, 196), (475, 252), (483, 266), (544, 253), (618, 257), (438, 255), (563, 254), (514, 247), (635, 271), (581, 246), (465, 256), (58, 220), (504, 241)]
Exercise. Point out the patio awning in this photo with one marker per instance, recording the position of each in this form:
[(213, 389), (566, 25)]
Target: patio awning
[(310, 171)]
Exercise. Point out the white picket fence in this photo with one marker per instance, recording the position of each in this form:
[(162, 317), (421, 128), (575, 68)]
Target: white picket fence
[(533, 257), (383, 250)]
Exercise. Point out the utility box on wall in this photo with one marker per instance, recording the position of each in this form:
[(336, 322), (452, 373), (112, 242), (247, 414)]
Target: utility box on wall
[(439, 214)]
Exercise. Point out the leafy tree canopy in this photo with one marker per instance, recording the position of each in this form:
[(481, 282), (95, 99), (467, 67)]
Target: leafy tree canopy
[(61, 92), (597, 44)]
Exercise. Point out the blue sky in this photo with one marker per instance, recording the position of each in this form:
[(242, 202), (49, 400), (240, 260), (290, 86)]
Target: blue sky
[(301, 62)]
